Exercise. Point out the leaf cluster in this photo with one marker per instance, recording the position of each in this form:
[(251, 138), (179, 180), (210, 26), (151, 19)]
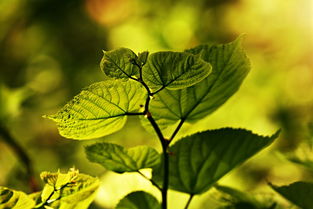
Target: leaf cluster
[(61, 191), (166, 90)]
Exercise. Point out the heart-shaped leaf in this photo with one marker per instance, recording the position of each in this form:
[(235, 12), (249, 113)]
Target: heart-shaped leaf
[(174, 70), (196, 162), (118, 63)]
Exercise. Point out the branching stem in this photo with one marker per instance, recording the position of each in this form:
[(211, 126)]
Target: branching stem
[(164, 142), (189, 201)]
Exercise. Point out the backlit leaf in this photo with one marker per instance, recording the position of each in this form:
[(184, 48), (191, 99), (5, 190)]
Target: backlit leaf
[(68, 190), (100, 109), (119, 159), (118, 63), (198, 161), (174, 70), (230, 67)]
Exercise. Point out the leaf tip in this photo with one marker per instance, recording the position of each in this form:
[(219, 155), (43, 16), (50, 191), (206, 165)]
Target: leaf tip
[(276, 134)]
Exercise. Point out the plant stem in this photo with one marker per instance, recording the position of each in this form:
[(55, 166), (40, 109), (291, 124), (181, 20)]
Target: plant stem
[(165, 178), (189, 201), (164, 142), (177, 129)]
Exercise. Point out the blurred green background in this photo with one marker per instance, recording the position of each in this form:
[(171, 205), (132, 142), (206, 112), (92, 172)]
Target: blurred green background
[(50, 49)]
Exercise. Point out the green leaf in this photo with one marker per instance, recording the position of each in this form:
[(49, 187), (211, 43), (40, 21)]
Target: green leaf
[(174, 70), (118, 63), (100, 109), (240, 200), (119, 159), (230, 67), (299, 193), (139, 200), (68, 190), (142, 58), (15, 199), (196, 162)]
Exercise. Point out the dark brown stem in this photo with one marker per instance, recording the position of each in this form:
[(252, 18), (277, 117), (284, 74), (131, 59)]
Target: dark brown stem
[(189, 201), (163, 141), (177, 129)]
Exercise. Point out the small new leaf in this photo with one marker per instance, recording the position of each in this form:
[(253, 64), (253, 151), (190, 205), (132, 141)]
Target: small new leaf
[(118, 63), (142, 58), (139, 200), (119, 159), (198, 161), (68, 190), (100, 109), (299, 193), (174, 70)]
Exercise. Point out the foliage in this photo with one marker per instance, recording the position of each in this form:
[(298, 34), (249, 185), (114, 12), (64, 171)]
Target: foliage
[(298, 193), (200, 160), (168, 89), (61, 191)]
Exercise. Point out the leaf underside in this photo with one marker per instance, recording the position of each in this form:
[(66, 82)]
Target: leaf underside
[(196, 162), (100, 109), (119, 159)]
